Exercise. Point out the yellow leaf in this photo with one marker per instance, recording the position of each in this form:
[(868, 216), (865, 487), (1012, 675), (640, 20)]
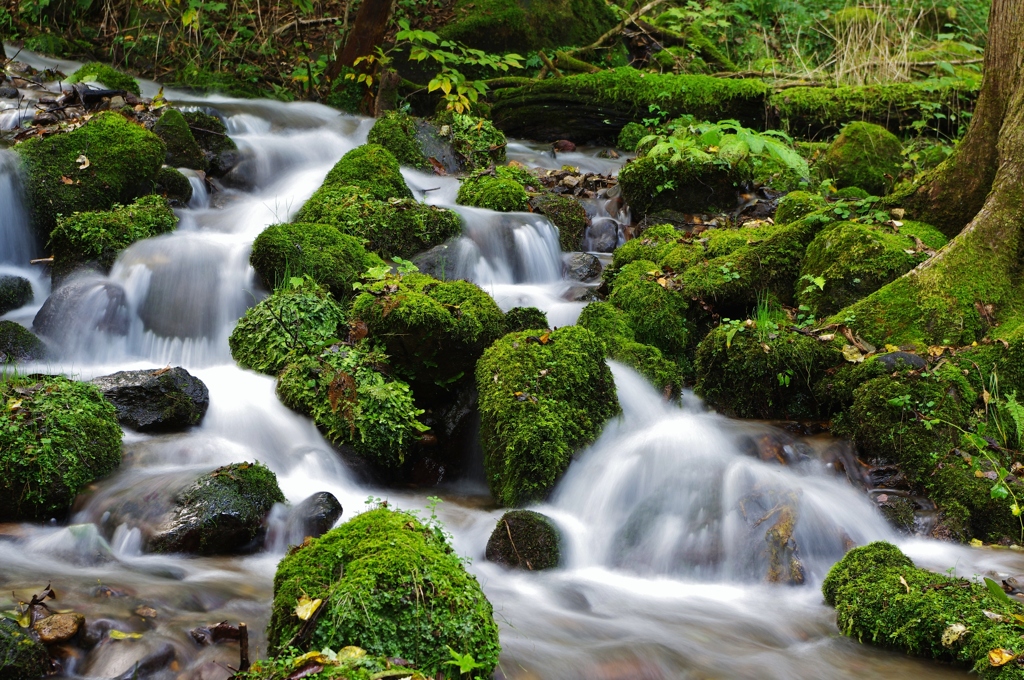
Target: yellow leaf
[(852, 354), (979, 474), (318, 657), (121, 635), (975, 543), (350, 652), (712, 149), (904, 583), (13, 404), (307, 607), (1000, 657)]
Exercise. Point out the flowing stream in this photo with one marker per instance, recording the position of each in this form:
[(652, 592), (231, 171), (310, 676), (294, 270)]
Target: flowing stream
[(663, 575)]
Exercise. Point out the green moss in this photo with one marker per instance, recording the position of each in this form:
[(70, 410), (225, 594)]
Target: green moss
[(797, 204), (124, 159), (22, 657), (107, 75), (542, 397), (653, 244), (525, 319), (708, 50), (475, 140), (390, 585), (852, 194), (395, 228), (56, 436), (18, 344), (689, 185), (658, 316), (567, 214), (100, 236), (882, 598), (298, 319), (182, 149), (519, 26), (492, 193), (784, 365), (173, 186), (396, 132), (323, 253), (864, 155), (373, 169), (524, 539), (857, 259), (15, 292), (352, 664), (212, 137), (630, 135)]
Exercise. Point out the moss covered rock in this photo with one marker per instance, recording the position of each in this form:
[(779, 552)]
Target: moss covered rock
[(94, 71), (691, 184), (296, 318), (864, 155), (182, 149), (797, 204), (524, 539), (396, 132), (371, 168), (212, 137), (124, 159), (542, 397), (652, 245), (389, 585), (350, 662), (320, 251), (22, 657), (221, 513), (476, 141), (493, 193), (630, 135), (395, 228), (99, 237), (18, 344), (525, 319), (567, 214), (657, 315), (173, 186), (882, 598), (15, 292), (57, 436), (519, 26)]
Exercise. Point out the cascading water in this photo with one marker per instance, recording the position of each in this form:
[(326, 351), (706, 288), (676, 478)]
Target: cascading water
[(665, 517)]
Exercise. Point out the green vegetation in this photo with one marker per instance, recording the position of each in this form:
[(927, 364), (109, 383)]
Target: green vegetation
[(371, 168), (493, 193), (657, 315), (476, 140), (18, 344), (797, 204), (173, 186), (525, 319), (15, 292), (866, 156), (396, 132), (212, 137), (94, 71), (348, 663), (516, 26), (524, 539), (567, 214), (57, 436), (630, 136), (182, 149), (24, 657)]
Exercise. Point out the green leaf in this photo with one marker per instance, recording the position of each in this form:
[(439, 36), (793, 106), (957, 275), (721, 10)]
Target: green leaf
[(997, 592)]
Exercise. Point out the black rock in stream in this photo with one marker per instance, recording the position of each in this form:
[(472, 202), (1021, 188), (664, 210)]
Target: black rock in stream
[(582, 266), (313, 517), (156, 400), (84, 303), (524, 539), (15, 292)]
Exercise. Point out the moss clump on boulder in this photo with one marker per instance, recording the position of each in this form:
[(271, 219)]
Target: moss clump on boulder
[(373, 169), (864, 155), (543, 396), (124, 159), (296, 318), (173, 186), (657, 315), (476, 141), (652, 245), (493, 193), (323, 253), (797, 204), (354, 401), (221, 513), (100, 236), (18, 344), (699, 184), (22, 657), (630, 135), (395, 228), (396, 132), (524, 539), (15, 292), (94, 71), (57, 436), (391, 586), (525, 319), (882, 598), (520, 26), (567, 214), (182, 149), (212, 137), (854, 260), (351, 663)]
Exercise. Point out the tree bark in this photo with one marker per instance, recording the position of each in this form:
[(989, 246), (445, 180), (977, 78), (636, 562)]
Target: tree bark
[(368, 31)]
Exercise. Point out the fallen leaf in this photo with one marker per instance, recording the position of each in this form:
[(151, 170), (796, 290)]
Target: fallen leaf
[(904, 583), (307, 607), (1000, 657), (121, 635), (852, 354), (827, 337), (305, 671), (351, 652), (83, 162), (953, 634), (975, 543), (66, 179)]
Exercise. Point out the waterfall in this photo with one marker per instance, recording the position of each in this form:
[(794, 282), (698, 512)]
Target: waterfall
[(17, 242)]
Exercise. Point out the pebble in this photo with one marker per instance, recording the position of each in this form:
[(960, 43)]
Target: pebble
[(58, 627)]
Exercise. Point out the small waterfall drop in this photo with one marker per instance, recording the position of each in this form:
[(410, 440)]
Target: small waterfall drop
[(17, 242)]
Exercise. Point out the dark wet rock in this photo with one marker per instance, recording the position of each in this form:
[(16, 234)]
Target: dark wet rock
[(150, 665), (602, 236), (211, 670), (58, 628), (582, 266), (775, 446), (896, 360), (23, 657), (210, 133), (682, 221), (582, 294), (8, 92), (314, 516), (898, 509), (524, 539), (438, 262), (18, 344), (221, 513), (243, 174), (15, 292), (82, 305), (157, 400)]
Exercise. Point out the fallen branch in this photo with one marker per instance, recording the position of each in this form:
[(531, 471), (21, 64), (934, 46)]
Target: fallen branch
[(306, 22), (619, 27), (547, 62)]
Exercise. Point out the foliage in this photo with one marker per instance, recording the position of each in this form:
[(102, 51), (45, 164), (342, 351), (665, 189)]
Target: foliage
[(797, 204), (396, 132), (476, 140), (24, 657), (94, 71), (864, 155), (492, 193), (18, 344), (630, 136), (182, 149), (657, 315), (371, 168)]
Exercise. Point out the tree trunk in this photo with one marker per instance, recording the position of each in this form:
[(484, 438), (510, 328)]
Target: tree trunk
[(368, 31)]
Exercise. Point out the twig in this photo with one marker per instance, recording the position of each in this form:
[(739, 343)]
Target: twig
[(547, 62), (305, 22), (618, 28), (243, 645)]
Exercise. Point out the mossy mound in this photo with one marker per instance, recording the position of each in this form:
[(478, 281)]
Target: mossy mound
[(476, 141), (525, 319), (520, 26), (354, 401), (15, 292), (221, 512), (182, 149), (124, 159), (853, 260), (653, 245), (524, 539), (350, 663), (783, 365), (657, 315), (493, 193), (630, 135), (864, 155), (395, 228), (22, 657), (296, 318), (433, 330), (543, 396), (18, 344), (567, 214), (212, 137), (373, 169), (797, 204), (173, 186), (100, 236), (882, 598), (396, 132), (94, 71), (691, 184), (389, 585), (327, 256), (851, 194), (57, 436)]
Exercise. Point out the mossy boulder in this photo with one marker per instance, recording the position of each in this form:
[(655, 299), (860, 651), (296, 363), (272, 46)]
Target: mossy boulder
[(212, 137), (493, 193), (57, 436), (15, 292), (395, 228), (519, 26), (355, 401), (94, 71), (657, 315), (543, 396), (433, 330), (882, 598), (222, 513), (864, 155), (296, 318), (182, 149), (173, 186), (389, 585), (99, 237), (330, 258), (156, 400), (852, 260), (797, 204), (567, 214), (476, 141), (525, 319), (652, 245), (22, 657), (690, 184), (784, 365), (124, 159), (371, 168), (396, 132), (18, 344), (630, 136), (524, 539)]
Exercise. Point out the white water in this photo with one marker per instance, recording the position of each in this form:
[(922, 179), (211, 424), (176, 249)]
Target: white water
[(663, 575)]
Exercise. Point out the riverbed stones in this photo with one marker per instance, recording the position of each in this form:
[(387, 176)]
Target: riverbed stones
[(314, 516), (15, 292), (524, 539), (58, 627), (582, 266), (18, 344), (83, 304), (156, 400), (21, 656)]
